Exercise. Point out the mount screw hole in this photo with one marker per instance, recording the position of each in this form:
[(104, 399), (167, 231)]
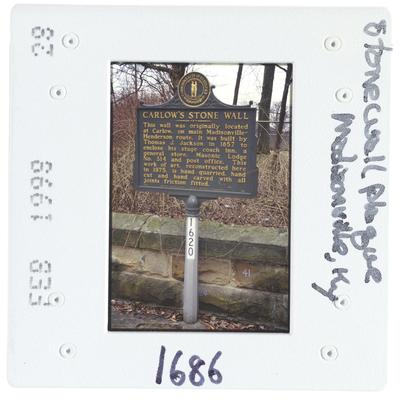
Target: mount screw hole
[(343, 302), (329, 353), (58, 92), (70, 40), (67, 350), (344, 95), (332, 43), (56, 299)]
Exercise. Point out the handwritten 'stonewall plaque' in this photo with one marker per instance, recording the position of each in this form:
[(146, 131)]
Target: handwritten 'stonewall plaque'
[(196, 144)]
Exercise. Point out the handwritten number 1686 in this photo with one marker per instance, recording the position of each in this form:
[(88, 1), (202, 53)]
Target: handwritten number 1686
[(195, 376)]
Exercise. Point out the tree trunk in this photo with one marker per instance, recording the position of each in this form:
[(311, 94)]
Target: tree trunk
[(136, 84), (177, 72), (237, 83), (283, 108), (264, 109), (113, 95)]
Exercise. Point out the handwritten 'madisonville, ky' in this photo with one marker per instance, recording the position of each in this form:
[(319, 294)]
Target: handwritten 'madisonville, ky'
[(371, 188)]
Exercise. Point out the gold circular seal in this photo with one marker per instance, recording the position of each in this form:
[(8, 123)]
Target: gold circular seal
[(194, 89)]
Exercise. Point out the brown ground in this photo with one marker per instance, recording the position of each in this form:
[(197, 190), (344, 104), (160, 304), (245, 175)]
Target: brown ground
[(130, 315)]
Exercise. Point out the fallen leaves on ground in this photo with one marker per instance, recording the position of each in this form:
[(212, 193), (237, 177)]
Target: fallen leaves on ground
[(213, 322)]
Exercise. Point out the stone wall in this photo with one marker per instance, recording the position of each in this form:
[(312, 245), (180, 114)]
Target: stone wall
[(243, 270)]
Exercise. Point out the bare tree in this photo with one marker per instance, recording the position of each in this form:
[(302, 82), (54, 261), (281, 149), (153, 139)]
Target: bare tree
[(264, 108), (237, 83), (176, 73), (147, 78), (283, 107)]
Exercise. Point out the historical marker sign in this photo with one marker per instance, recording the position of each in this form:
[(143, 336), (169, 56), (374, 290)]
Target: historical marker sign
[(195, 144)]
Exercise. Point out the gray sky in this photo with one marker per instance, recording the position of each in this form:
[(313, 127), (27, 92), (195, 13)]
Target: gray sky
[(223, 76)]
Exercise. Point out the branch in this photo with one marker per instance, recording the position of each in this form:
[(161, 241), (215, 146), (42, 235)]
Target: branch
[(156, 67), (282, 68)]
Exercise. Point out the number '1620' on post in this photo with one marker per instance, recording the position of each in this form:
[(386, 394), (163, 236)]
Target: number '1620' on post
[(190, 243)]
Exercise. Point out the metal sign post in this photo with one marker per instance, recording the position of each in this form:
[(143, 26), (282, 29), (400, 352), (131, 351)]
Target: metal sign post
[(190, 298)]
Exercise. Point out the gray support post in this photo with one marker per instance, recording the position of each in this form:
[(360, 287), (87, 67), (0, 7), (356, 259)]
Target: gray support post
[(190, 298)]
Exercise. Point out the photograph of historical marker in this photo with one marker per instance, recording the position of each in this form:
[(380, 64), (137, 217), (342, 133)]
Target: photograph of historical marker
[(200, 197)]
